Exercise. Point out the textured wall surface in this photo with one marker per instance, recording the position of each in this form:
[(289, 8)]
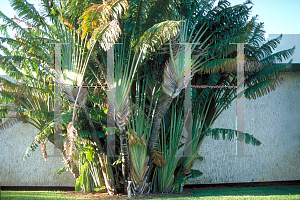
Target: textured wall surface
[(274, 119), (34, 171)]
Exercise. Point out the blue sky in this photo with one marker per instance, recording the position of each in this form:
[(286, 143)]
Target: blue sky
[(279, 16)]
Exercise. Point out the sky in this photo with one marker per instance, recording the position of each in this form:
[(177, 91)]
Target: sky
[(279, 16)]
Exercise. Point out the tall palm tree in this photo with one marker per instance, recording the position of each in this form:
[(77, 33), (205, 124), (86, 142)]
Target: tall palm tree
[(207, 27), (129, 58)]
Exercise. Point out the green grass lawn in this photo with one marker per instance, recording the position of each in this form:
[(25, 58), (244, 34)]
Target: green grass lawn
[(249, 193), (277, 193), (34, 195)]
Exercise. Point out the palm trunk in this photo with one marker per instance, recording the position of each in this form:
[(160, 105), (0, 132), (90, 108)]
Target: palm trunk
[(154, 138), (71, 165), (122, 118), (106, 168), (125, 158), (92, 129), (73, 168), (107, 173)]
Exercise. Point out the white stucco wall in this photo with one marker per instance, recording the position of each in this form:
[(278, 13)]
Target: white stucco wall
[(34, 171), (274, 119)]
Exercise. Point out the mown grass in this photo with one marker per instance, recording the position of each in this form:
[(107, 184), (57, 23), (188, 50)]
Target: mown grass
[(260, 193), (34, 195)]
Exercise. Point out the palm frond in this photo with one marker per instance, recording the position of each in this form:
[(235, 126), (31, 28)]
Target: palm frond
[(219, 65), (43, 134), (157, 35), (279, 56), (257, 33), (106, 34), (267, 73), (10, 122), (262, 88), (134, 17), (14, 26), (99, 14), (28, 12), (268, 47), (157, 10), (230, 134)]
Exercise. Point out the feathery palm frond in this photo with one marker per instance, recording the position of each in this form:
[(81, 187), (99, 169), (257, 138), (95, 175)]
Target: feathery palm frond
[(230, 134), (267, 73), (101, 21), (263, 88), (219, 65), (279, 56), (15, 118), (268, 47), (157, 10), (135, 17), (106, 35), (257, 34), (27, 12), (158, 34)]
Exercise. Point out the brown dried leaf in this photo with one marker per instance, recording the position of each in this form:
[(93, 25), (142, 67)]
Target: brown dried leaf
[(43, 148), (158, 159), (134, 139), (69, 142)]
